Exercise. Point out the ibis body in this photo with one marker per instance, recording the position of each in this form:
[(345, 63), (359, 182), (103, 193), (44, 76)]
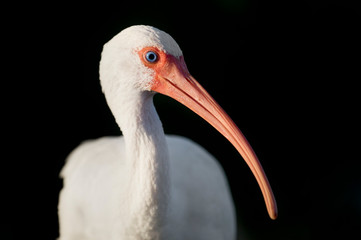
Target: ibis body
[(145, 185)]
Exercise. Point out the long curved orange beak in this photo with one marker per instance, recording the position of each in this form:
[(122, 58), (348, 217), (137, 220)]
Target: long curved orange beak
[(174, 80)]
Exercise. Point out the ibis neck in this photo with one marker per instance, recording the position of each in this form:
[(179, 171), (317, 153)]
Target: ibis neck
[(147, 161)]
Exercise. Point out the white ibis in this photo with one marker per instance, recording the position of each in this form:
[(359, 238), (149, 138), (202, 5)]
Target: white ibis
[(144, 184)]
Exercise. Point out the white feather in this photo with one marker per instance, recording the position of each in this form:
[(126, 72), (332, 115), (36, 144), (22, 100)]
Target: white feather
[(142, 185)]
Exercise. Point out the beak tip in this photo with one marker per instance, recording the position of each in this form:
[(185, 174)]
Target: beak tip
[(273, 213)]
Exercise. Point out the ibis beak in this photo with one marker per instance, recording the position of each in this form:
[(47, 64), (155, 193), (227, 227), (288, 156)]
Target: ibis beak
[(174, 80)]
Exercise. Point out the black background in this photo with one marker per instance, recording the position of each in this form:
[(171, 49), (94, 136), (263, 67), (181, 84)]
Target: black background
[(287, 72)]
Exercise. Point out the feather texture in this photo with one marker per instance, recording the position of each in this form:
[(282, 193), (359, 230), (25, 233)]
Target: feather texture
[(142, 185)]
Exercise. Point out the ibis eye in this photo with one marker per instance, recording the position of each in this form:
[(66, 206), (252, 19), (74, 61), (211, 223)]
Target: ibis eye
[(151, 56)]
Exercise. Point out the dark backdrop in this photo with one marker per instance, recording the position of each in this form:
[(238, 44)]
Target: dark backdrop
[(287, 72)]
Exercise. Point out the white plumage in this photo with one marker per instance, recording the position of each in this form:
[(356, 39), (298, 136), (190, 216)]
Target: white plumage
[(145, 185)]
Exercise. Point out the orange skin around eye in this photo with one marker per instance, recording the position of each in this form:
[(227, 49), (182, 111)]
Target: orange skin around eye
[(162, 58), (165, 65)]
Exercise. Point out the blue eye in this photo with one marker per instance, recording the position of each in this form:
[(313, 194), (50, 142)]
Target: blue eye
[(151, 56)]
